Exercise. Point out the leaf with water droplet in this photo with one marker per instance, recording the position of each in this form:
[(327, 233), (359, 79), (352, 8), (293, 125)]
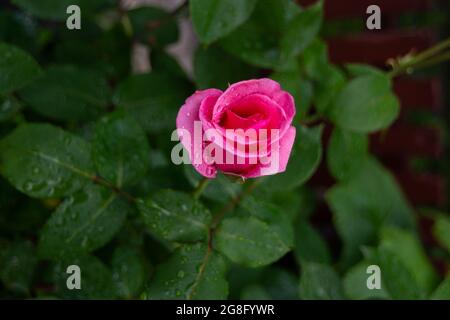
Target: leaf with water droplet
[(68, 93), (17, 263), (96, 279), (129, 271), (8, 108), (92, 208), (203, 275), (17, 68), (320, 282), (252, 242), (164, 216), (63, 168), (120, 149)]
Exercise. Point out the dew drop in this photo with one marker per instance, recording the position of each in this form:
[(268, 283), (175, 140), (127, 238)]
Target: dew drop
[(29, 186)]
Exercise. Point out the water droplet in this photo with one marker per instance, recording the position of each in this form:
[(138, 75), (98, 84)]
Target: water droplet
[(29, 186)]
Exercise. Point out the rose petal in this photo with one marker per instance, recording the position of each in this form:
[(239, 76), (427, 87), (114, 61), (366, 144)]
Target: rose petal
[(241, 89), (189, 113), (285, 147), (286, 101)]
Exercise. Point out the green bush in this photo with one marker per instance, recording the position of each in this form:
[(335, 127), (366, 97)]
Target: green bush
[(86, 177)]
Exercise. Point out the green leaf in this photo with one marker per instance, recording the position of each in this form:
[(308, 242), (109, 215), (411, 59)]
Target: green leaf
[(304, 160), (17, 264), (54, 9), (355, 284), (108, 51), (43, 161), (214, 68), (250, 241), (68, 93), (17, 68), (83, 223), (357, 70), (221, 189), (301, 31), (175, 216), (96, 279), (362, 205), (319, 282), (120, 149), (254, 292), (366, 104), (396, 277), (214, 19), (128, 272), (408, 249), (300, 89), (314, 60), (347, 153), (153, 26), (443, 290), (328, 79), (257, 40), (192, 272), (309, 245), (163, 62), (8, 108), (280, 283), (153, 99), (277, 220), (327, 88), (441, 230)]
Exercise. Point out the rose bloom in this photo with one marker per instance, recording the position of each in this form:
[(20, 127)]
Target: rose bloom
[(245, 131)]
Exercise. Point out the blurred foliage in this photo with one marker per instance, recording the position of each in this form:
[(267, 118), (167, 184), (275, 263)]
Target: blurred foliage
[(86, 176)]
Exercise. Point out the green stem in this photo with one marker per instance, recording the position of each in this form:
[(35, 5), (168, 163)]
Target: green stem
[(422, 59), (200, 188), (234, 202), (436, 60), (100, 181)]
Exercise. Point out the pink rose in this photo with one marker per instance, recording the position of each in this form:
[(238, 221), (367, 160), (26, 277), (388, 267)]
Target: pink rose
[(245, 131)]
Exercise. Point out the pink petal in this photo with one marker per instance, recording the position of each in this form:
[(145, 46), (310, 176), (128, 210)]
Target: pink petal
[(241, 89), (285, 147), (286, 101), (189, 113)]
